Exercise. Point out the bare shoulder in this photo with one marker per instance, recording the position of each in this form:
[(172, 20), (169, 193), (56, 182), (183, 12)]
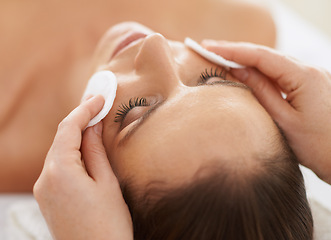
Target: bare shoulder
[(238, 20)]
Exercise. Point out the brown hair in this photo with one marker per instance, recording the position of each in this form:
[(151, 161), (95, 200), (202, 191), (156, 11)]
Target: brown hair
[(229, 203)]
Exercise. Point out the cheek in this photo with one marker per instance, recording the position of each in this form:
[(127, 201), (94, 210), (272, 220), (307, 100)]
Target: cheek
[(127, 163), (135, 160), (118, 159), (123, 159)]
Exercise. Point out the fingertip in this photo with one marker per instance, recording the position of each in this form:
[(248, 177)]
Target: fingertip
[(94, 132), (92, 98), (98, 128), (96, 98), (241, 74), (87, 97), (95, 104), (99, 96), (101, 100)]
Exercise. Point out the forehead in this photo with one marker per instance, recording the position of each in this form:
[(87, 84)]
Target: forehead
[(194, 127)]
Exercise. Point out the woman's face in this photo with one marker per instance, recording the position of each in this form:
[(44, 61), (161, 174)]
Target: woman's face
[(167, 121)]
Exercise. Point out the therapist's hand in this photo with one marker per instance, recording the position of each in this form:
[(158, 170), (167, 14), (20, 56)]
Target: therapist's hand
[(77, 191), (305, 115)]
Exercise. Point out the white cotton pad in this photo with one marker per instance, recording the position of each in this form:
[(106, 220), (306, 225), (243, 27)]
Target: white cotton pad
[(102, 83), (210, 56)]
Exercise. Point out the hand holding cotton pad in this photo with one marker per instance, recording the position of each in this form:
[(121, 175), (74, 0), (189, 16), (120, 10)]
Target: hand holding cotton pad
[(212, 57), (105, 84)]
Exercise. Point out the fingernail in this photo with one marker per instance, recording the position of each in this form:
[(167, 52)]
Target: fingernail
[(87, 97), (241, 74), (98, 128)]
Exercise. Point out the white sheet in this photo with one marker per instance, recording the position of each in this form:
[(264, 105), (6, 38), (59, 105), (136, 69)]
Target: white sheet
[(296, 37), (6, 200), (299, 38)]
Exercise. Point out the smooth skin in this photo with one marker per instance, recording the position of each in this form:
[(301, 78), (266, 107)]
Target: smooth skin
[(77, 191), (227, 123), (193, 124), (305, 114), (46, 57)]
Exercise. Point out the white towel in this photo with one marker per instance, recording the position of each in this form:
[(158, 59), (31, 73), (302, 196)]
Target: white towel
[(322, 220), (25, 222)]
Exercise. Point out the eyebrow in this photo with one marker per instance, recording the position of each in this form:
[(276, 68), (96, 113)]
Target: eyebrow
[(153, 109)]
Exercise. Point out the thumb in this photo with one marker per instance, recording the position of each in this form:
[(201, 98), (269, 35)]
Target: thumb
[(94, 154)]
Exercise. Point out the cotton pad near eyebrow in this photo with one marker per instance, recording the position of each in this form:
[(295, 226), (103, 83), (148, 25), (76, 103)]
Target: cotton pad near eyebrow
[(102, 83), (210, 56)]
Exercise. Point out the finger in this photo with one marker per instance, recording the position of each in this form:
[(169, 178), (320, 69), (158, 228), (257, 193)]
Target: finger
[(85, 98), (285, 71), (94, 154), (266, 93), (69, 134)]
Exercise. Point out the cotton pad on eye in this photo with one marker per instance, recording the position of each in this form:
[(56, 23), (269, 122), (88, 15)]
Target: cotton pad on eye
[(212, 57), (105, 84)]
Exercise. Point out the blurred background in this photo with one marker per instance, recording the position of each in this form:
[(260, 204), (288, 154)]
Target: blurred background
[(315, 11)]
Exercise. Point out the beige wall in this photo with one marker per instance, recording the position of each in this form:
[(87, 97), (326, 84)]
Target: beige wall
[(316, 11)]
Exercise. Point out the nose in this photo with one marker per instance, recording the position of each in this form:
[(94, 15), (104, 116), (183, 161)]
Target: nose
[(155, 63)]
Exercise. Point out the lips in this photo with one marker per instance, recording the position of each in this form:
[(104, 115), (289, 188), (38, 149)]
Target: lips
[(127, 40)]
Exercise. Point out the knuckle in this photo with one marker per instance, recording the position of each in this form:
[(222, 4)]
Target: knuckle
[(314, 72), (324, 72), (285, 58), (328, 74), (49, 181), (37, 190), (52, 174)]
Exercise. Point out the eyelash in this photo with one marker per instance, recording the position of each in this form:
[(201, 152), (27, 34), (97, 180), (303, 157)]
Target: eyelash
[(124, 109), (204, 76)]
